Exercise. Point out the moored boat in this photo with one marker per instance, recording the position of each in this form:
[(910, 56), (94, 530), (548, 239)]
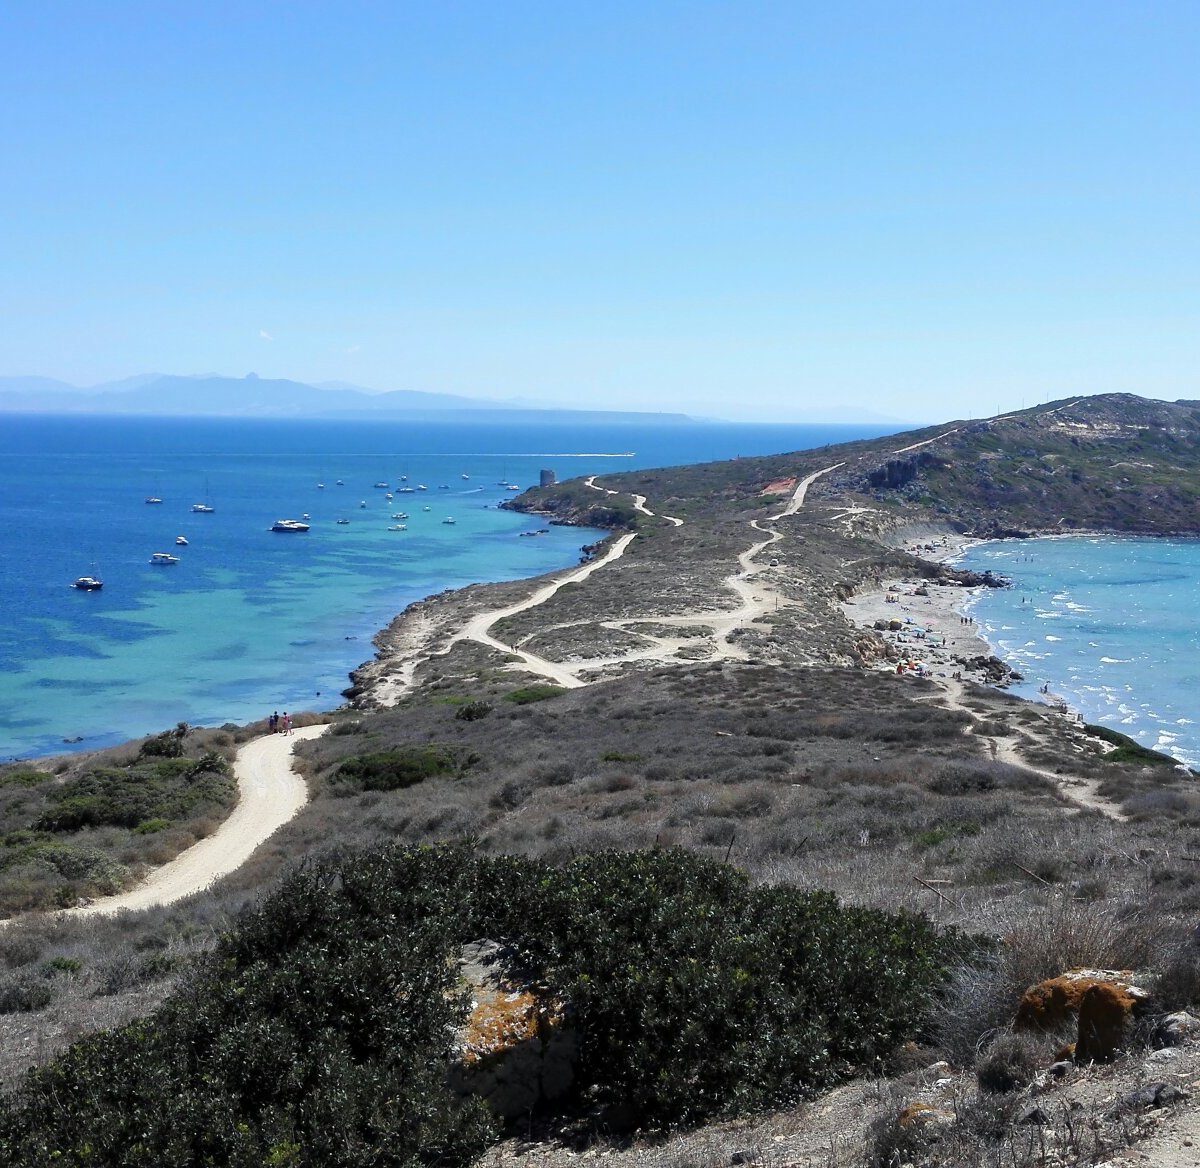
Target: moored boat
[(88, 584), (289, 525), (181, 541), (163, 559)]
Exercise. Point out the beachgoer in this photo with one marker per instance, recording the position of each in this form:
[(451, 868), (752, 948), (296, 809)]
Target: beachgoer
[(273, 722), (287, 722)]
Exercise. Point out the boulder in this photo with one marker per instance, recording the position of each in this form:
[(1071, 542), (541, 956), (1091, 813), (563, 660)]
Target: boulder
[(1100, 1002), (1175, 1029), (515, 1048)]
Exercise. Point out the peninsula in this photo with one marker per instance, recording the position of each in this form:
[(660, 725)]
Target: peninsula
[(708, 687)]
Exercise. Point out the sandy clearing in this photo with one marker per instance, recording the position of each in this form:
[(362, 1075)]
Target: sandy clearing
[(269, 794)]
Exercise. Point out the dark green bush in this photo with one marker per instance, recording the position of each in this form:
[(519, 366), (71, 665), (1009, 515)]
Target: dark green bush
[(533, 693), (392, 770), (473, 711), (1129, 751), (317, 1032)]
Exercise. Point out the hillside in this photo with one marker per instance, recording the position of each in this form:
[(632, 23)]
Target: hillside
[(596, 746)]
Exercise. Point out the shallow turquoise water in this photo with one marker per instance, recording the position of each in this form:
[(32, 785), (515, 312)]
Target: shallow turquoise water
[(1111, 625), (250, 620)]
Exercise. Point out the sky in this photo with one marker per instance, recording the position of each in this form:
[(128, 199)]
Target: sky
[(746, 210)]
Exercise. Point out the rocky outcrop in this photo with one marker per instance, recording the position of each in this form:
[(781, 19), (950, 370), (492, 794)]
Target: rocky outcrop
[(515, 1049), (1100, 1002)]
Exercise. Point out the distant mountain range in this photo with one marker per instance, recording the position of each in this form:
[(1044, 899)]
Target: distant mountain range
[(260, 397)]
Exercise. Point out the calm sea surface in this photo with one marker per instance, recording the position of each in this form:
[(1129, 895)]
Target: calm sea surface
[(249, 620), (1111, 625)]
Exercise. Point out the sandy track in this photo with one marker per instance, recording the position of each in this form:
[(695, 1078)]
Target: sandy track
[(269, 794), (479, 627)]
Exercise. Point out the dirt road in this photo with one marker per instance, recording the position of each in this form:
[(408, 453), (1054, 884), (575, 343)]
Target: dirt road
[(269, 794)]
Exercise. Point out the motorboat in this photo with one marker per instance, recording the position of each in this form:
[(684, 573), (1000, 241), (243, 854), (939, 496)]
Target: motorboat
[(88, 584), (203, 508), (362, 504), (339, 483), (406, 490), (163, 559), (343, 522), (426, 508), (422, 487), (382, 486), (465, 476), (450, 520), (398, 527), (399, 514), (388, 496), (443, 487), (306, 516), (288, 525), (149, 499), (320, 486), (181, 541), (513, 487)]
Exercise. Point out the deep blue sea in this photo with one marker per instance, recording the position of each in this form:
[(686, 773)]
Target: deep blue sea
[(1109, 624), (249, 620)]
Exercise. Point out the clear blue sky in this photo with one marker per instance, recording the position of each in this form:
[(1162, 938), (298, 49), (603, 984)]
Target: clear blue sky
[(767, 210)]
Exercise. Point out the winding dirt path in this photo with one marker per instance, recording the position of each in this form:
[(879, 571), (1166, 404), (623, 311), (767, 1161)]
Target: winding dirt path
[(1082, 792), (269, 794), (479, 627)]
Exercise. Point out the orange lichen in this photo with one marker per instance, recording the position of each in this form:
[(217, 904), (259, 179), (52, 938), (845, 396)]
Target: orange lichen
[(1103, 1014), (1052, 1003), (920, 1113), (501, 1020)]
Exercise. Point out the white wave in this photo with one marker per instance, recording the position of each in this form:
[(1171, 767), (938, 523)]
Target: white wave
[(1052, 637)]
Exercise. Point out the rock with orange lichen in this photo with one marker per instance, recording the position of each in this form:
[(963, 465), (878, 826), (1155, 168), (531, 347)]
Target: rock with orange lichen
[(514, 1050), (1100, 1002)]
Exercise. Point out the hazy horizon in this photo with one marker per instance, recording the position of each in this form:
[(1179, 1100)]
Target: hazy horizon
[(757, 212)]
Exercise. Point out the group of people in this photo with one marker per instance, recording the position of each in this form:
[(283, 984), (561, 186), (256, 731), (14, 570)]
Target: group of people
[(280, 725)]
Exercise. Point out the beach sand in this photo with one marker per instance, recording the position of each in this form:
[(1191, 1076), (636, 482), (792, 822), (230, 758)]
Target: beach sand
[(934, 635)]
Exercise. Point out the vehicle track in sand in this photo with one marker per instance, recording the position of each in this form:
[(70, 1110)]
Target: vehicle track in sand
[(269, 794)]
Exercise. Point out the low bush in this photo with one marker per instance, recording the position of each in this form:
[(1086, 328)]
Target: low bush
[(1129, 751), (393, 770), (473, 711), (533, 693), (318, 1030)]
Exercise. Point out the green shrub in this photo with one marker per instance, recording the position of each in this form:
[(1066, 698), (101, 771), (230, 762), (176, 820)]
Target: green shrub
[(1129, 751), (318, 1030), (392, 770), (533, 693), (473, 711), (21, 778)]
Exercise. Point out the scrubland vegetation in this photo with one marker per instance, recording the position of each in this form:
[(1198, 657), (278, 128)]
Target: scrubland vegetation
[(741, 884)]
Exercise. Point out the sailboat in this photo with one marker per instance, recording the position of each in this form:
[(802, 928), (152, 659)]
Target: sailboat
[(205, 508)]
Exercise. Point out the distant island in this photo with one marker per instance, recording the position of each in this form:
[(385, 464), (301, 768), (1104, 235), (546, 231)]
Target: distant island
[(209, 395)]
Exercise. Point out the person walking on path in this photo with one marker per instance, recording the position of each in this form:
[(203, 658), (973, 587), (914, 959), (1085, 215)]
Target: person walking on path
[(287, 722), (273, 722)]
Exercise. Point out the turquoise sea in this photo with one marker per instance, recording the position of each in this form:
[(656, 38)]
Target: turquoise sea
[(250, 620), (1111, 625)]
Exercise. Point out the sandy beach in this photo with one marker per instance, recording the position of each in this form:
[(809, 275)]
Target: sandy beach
[(926, 627)]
